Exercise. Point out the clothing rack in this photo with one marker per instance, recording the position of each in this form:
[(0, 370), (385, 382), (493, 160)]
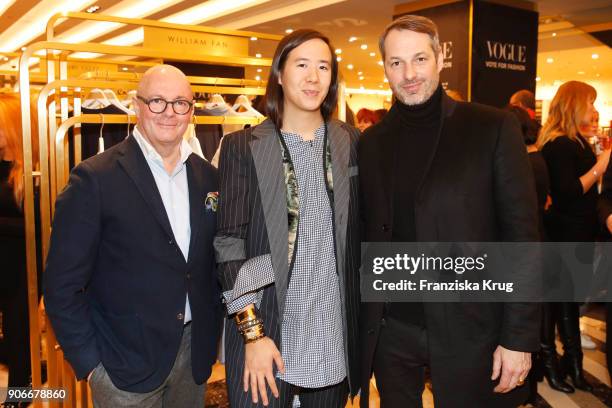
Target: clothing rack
[(58, 93)]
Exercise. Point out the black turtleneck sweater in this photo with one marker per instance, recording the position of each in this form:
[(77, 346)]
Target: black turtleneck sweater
[(415, 136)]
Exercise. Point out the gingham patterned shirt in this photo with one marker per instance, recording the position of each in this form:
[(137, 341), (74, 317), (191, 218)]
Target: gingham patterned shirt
[(312, 342)]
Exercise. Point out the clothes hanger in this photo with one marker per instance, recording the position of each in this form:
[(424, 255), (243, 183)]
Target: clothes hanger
[(96, 103), (243, 102), (114, 100)]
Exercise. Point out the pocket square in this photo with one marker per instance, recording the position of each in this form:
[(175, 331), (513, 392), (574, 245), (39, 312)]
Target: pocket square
[(210, 202)]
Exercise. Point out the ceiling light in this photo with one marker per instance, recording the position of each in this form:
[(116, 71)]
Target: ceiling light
[(5, 58), (127, 8), (23, 48), (538, 78), (349, 66), (338, 58), (253, 38), (550, 60), (595, 56), (257, 78), (361, 78), (93, 9), (360, 73), (258, 55), (580, 72), (258, 69), (195, 15), (372, 54), (124, 68), (5, 4), (35, 20), (380, 63), (338, 51), (554, 34), (352, 39), (289, 30), (364, 46)]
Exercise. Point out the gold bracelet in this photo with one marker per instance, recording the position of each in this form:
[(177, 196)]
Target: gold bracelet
[(248, 314), (253, 334)]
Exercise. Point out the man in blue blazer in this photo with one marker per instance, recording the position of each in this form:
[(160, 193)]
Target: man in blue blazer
[(130, 284)]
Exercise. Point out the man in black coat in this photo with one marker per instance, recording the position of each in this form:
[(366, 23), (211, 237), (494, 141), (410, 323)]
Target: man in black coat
[(436, 170), (130, 284)]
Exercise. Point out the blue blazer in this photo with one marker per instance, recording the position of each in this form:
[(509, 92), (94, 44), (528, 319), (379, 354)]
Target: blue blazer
[(115, 279)]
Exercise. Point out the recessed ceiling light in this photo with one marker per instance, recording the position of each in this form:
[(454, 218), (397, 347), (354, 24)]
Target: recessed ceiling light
[(338, 51), (352, 39), (550, 60), (385, 80), (338, 58), (93, 9), (554, 34), (258, 55), (289, 30), (361, 78), (258, 69), (360, 73), (257, 78), (538, 78), (380, 63), (253, 38), (364, 46), (595, 56), (372, 54), (124, 68), (5, 58), (580, 72), (349, 66)]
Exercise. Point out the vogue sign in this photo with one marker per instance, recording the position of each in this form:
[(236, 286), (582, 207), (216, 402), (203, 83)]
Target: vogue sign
[(506, 56)]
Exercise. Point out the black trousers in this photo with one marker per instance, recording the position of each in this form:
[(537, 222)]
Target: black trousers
[(399, 364)]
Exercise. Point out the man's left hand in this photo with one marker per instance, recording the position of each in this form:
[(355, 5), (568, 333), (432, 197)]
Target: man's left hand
[(513, 367)]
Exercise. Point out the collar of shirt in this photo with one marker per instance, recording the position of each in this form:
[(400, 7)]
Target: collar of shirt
[(295, 139), (152, 155)]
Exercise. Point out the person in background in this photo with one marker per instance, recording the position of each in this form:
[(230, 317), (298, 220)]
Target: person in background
[(524, 99), (288, 239), (366, 118), (13, 278), (572, 217), (130, 283)]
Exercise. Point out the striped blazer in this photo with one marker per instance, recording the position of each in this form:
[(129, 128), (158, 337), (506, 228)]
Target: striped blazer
[(252, 221)]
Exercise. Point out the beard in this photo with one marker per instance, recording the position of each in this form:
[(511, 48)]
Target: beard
[(426, 90)]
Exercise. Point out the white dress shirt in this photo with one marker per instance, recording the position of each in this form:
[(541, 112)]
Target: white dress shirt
[(174, 191)]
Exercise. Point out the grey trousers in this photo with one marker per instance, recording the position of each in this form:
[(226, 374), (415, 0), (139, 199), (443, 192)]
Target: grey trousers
[(178, 390)]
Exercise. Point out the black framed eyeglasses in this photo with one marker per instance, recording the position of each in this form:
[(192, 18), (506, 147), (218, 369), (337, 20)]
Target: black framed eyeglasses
[(158, 105)]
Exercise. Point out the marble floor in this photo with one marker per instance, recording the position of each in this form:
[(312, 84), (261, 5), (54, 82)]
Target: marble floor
[(594, 364)]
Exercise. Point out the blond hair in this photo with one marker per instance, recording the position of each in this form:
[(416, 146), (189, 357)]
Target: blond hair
[(567, 109), (10, 127)]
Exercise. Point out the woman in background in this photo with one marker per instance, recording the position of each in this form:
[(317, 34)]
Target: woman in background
[(574, 171), (13, 278)]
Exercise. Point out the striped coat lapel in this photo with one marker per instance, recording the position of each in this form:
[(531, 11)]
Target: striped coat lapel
[(266, 153)]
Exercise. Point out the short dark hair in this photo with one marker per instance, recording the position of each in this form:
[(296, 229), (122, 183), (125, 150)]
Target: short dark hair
[(411, 22), (274, 91)]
